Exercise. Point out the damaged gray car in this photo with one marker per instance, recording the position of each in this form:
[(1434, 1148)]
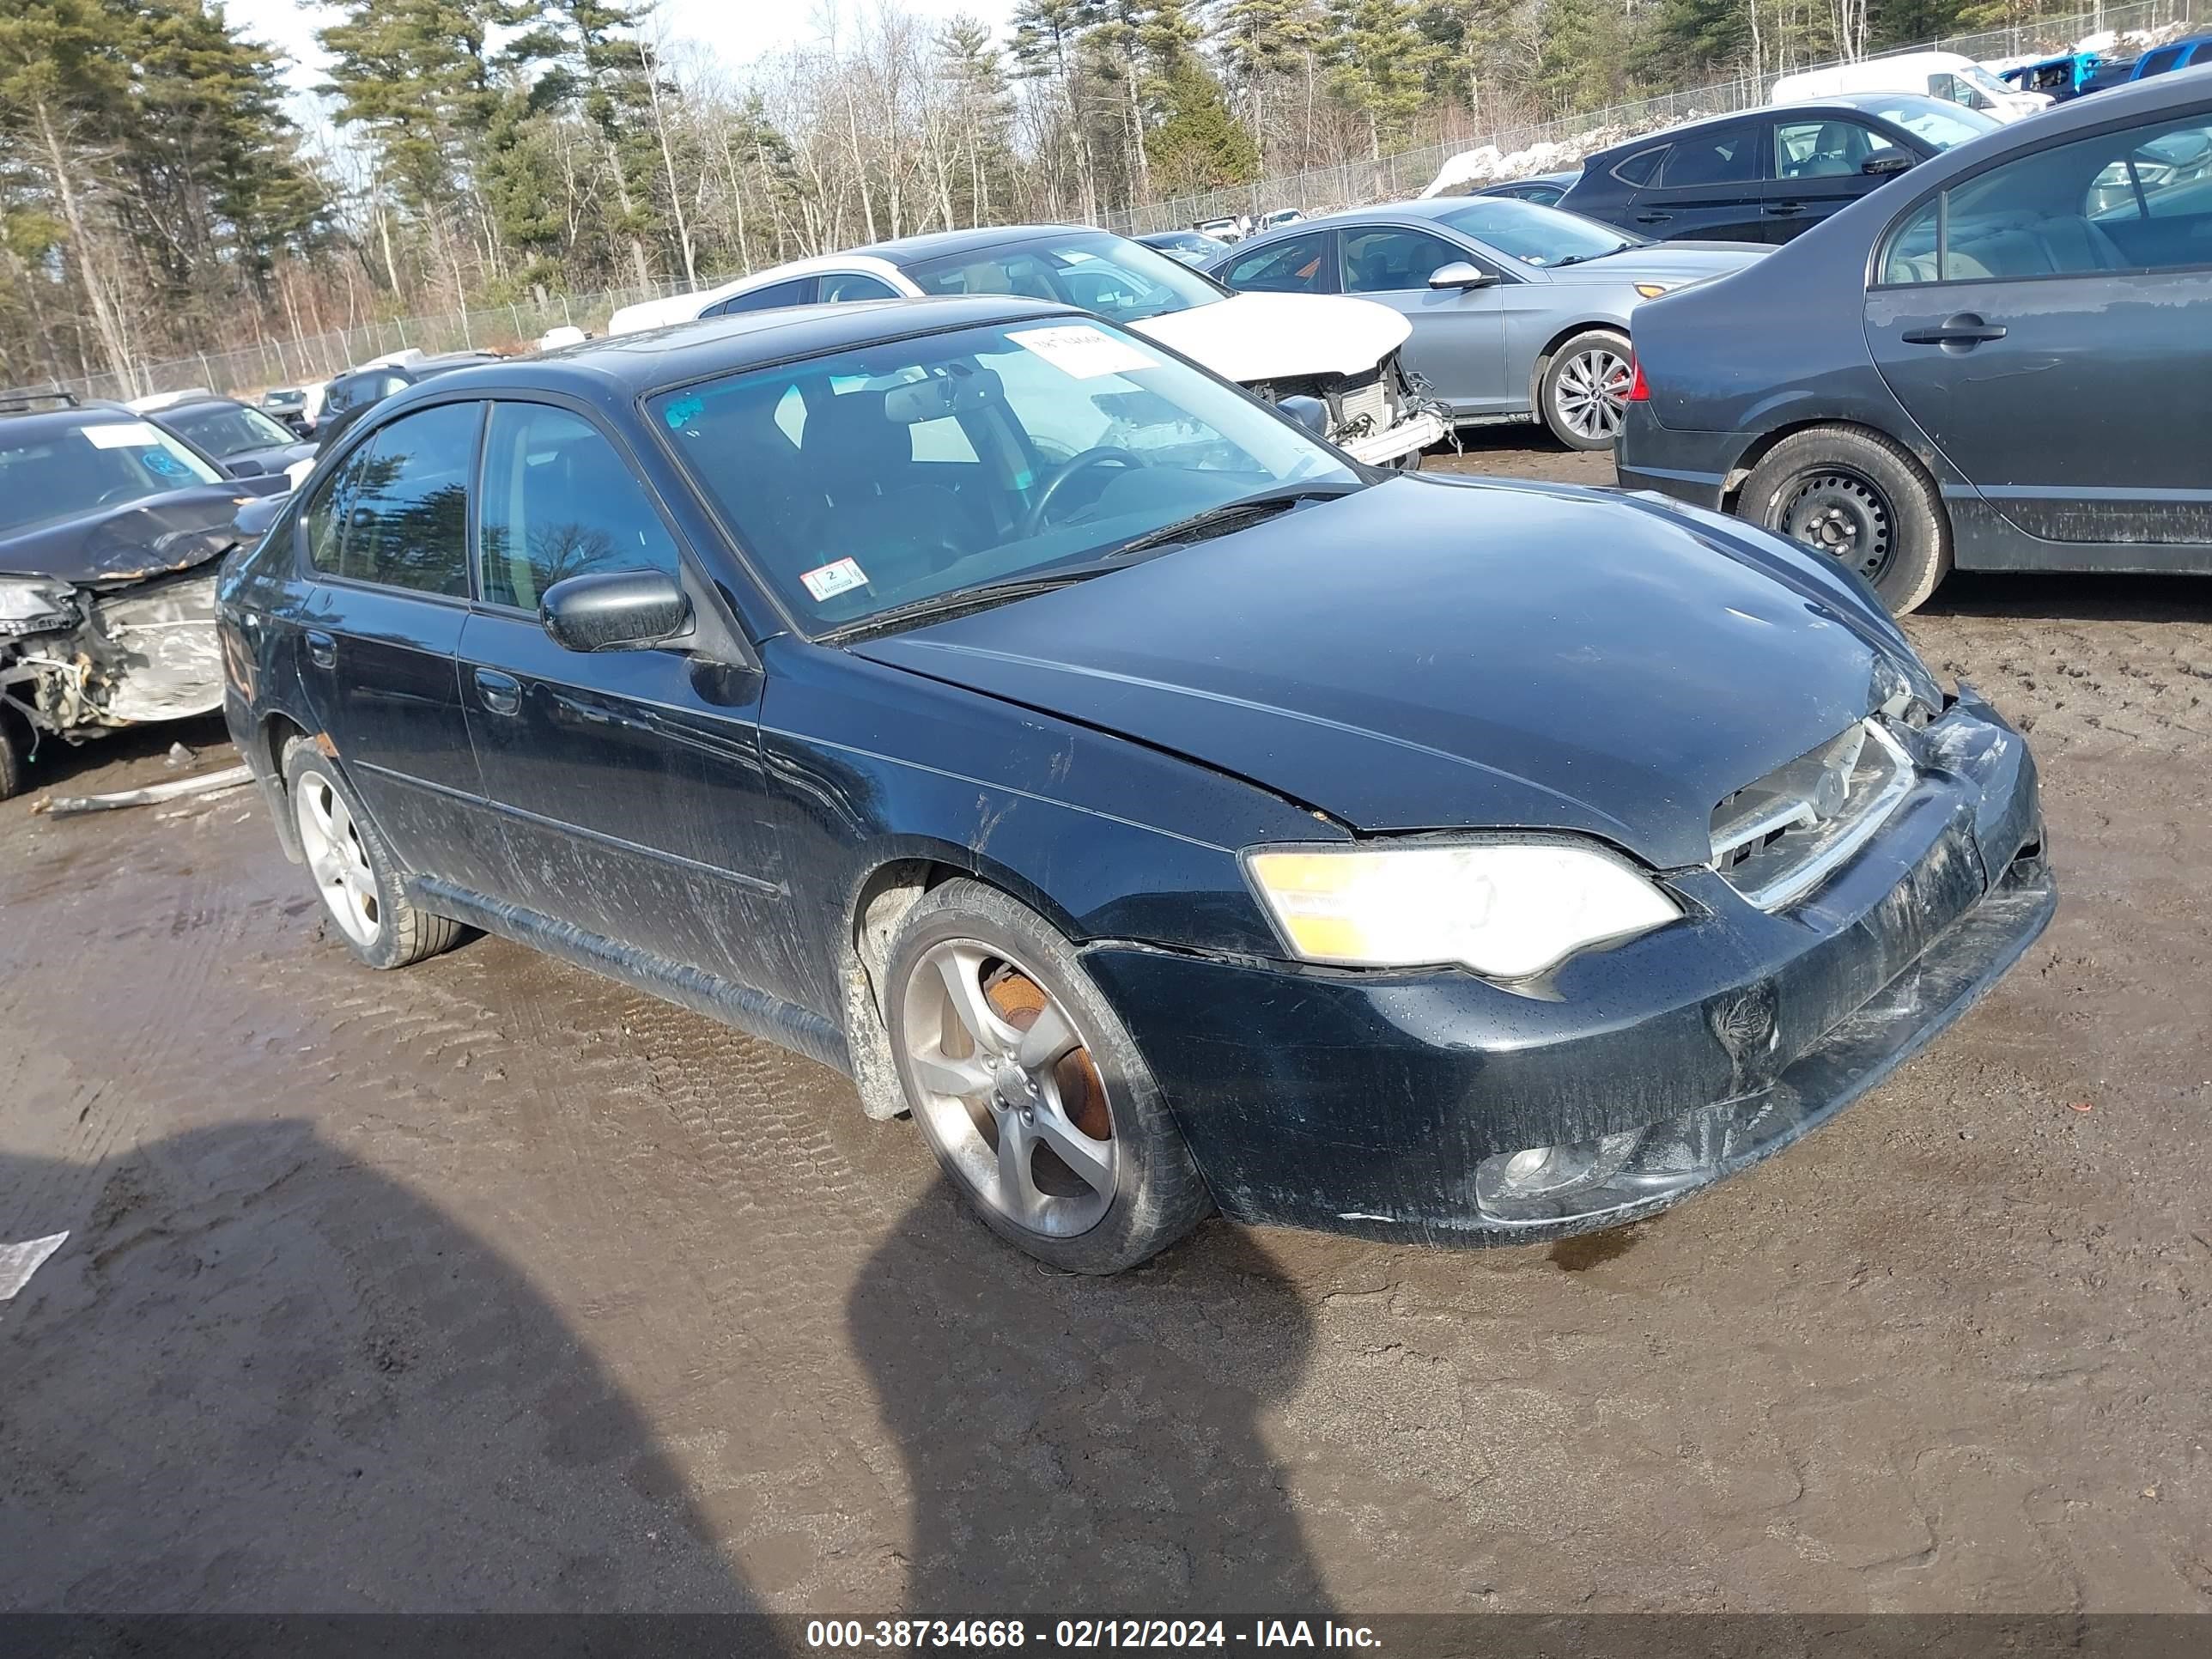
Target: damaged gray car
[(111, 530)]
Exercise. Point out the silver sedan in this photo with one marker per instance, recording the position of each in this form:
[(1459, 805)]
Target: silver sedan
[(1519, 311)]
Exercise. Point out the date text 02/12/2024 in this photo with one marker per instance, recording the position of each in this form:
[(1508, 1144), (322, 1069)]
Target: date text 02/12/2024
[(858, 1635)]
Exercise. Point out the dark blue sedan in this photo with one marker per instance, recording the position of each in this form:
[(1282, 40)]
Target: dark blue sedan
[(1165, 811)]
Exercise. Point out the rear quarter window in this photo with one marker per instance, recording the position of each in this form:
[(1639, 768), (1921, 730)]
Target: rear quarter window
[(1641, 168)]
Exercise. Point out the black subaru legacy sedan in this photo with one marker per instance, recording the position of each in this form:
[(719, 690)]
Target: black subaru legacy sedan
[(1166, 811)]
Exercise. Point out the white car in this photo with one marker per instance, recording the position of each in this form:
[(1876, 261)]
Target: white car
[(1949, 76), (1341, 351)]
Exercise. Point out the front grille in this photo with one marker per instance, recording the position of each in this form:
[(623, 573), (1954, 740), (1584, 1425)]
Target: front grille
[(1775, 840)]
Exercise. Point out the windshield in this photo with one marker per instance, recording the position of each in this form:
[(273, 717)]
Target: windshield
[(893, 473), (228, 429), (1534, 234), (1106, 274), (1930, 118), (1975, 75), (67, 472)]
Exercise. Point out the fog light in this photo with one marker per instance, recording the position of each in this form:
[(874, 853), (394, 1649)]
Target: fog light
[(1542, 1169)]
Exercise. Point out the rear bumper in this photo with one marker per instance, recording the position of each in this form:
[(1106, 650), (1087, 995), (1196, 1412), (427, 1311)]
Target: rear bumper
[(1418, 432), (1387, 1104), (1688, 466)]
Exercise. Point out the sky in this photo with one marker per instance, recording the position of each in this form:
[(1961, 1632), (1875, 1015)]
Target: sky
[(735, 31)]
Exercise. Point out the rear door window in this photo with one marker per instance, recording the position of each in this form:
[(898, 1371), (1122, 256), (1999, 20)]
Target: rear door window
[(1297, 264), (396, 513), (2157, 63), (1726, 155)]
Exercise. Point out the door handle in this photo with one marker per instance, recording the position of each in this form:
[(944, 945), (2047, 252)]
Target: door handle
[(322, 648), (1653, 218), (1965, 330), (1783, 209), (501, 693)]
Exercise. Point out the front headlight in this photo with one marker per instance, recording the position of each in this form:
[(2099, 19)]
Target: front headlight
[(33, 607), (1506, 909)]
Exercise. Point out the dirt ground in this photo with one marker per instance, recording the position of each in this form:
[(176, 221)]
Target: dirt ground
[(491, 1284)]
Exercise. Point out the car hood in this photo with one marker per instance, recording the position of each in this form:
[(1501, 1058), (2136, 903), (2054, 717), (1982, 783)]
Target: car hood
[(1428, 655), (1249, 337), (1665, 262), (148, 537)]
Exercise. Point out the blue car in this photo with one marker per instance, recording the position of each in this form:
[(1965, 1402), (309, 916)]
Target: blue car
[(1164, 809)]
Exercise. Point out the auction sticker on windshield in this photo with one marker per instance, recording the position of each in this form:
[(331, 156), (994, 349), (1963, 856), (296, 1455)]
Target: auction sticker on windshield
[(827, 582), (1082, 352), (122, 434)]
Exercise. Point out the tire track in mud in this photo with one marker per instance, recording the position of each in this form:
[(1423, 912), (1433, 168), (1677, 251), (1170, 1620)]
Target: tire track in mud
[(63, 996)]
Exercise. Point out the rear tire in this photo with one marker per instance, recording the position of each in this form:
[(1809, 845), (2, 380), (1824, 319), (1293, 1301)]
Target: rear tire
[(354, 874), (1009, 1057), (1860, 498), (1583, 393)]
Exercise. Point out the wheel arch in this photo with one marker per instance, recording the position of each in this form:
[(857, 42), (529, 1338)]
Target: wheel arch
[(1761, 447), (271, 738), (889, 882), (1542, 361)]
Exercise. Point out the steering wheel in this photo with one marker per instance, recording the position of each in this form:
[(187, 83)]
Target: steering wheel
[(1067, 470)]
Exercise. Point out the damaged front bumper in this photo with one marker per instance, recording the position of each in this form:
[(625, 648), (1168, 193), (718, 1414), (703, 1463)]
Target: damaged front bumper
[(114, 656), (1415, 433), (1438, 1107)]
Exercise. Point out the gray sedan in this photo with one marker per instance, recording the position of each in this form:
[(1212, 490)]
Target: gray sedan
[(2001, 359), (1519, 311)]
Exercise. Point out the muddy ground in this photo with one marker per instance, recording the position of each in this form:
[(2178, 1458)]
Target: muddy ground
[(492, 1284)]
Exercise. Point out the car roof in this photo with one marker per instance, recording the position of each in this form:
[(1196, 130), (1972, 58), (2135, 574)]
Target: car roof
[(198, 402), (911, 250), (19, 423), (632, 365)]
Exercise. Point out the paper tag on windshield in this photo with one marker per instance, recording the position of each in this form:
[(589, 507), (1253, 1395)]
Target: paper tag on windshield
[(827, 582), (122, 434), (1085, 353)]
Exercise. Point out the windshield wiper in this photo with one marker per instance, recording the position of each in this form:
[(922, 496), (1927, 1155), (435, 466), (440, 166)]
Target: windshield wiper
[(1230, 516), (961, 601), (1584, 258)]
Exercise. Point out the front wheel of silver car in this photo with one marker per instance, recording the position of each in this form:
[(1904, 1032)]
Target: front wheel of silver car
[(354, 875), (1028, 1089), (1583, 394)]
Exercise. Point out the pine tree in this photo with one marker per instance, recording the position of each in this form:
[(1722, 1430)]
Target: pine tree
[(984, 106), (1382, 62)]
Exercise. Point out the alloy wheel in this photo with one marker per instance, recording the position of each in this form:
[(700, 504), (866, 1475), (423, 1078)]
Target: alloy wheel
[(1837, 511), (1591, 392), (338, 860), (1006, 1078)]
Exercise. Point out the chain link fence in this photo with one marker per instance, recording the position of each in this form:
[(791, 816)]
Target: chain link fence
[(306, 359), (1556, 144), (1532, 148)]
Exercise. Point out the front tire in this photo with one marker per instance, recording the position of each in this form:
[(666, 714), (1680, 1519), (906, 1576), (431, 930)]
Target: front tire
[(354, 875), (1583, 393), (14, 755), (1860, 499), (1028, 1089)]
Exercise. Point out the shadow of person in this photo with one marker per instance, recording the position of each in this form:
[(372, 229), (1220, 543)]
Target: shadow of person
[(1086, 1448), (261, 1377)]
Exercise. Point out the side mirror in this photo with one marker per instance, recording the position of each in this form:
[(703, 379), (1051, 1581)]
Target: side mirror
[(615, 611), (1309, 412), (1461, 274), (1885, 160)]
